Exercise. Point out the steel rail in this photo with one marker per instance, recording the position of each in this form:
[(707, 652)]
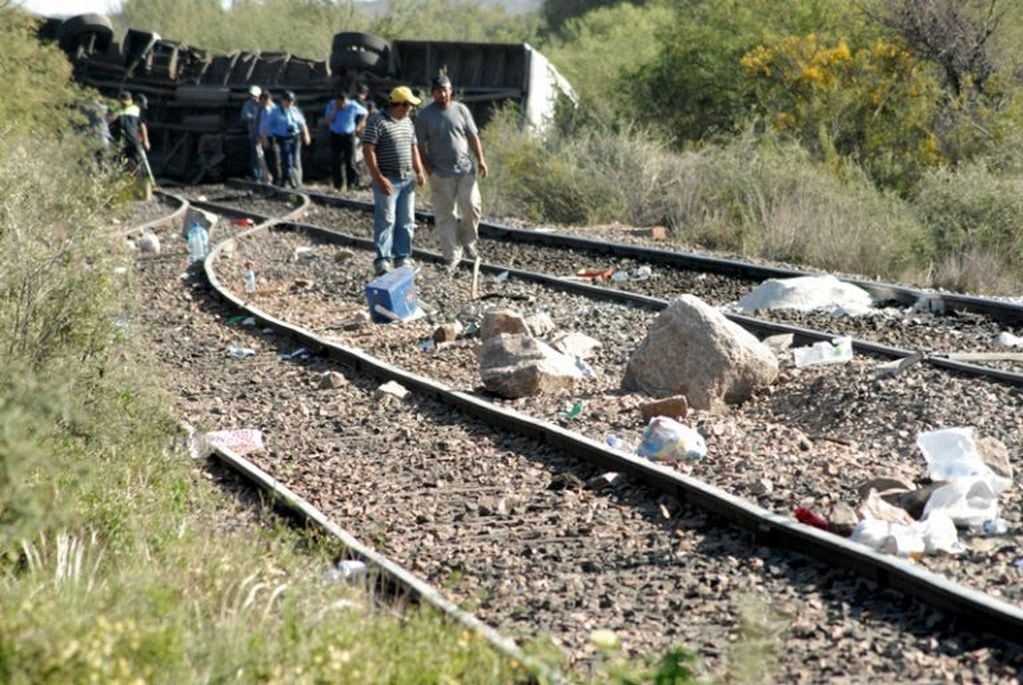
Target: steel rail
[(282, 496), (177, 214), (758, 326), (986, 614), (1006, 312), (417, 588)]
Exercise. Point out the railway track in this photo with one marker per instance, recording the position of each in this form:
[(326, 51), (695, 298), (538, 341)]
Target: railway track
[(683, 560)]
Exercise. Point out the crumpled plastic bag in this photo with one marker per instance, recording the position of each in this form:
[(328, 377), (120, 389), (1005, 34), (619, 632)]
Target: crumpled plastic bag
[(666, 439), (967, 501), (936, 534), (952, 453)]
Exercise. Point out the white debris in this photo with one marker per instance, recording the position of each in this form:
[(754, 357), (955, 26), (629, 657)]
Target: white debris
[(808, 293), (1006, 339)]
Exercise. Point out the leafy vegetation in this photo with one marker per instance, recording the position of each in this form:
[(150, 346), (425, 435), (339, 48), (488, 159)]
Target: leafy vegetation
[(115, 563)]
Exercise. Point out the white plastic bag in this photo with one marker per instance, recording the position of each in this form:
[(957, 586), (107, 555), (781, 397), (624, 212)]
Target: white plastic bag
[(967, 501), (951, 453), (666, 439)]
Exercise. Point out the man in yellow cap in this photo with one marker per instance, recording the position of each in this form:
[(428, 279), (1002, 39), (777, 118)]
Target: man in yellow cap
[(392, 157)]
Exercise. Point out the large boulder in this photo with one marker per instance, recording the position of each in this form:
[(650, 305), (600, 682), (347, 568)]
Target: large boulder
[(519, 366), (691, 349), (497, 320)]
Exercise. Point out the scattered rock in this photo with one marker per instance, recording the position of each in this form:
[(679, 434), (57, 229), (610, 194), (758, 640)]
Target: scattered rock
[(540, 324), (149, 243), (357, 321), (651, 233), (779, 343), (331, 380), (692, 349), (576, 344), (995, 454), (884, 486), (447, 332), (393, 389), (344, 255), (874, 507), (497, 321), (762, 486), (519, 366), (604, 481), (675, 407), (843, 519), (303, 283)]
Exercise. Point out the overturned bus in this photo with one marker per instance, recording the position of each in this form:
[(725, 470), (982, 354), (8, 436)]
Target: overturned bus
[(195, 97)]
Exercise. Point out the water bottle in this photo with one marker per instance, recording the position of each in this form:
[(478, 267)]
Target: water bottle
[(198, 241), (614, 442), (837, 351), (250, 278), (990, 527)]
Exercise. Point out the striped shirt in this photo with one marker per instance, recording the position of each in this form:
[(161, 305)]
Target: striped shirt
[(393, 140)]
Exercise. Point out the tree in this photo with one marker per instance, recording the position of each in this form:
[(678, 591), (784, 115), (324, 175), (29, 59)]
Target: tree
[(557, 12), (954, 34)]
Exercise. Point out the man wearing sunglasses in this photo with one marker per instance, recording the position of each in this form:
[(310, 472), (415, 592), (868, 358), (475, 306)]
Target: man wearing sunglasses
[(389, 147)]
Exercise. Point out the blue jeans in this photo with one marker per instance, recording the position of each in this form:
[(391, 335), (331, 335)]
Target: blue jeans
[(394, 220), (255, 160), (288, 155)]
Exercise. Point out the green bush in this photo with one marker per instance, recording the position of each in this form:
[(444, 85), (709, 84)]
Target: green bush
[(974, 217), (874, 104), (694, 88), (597, 51), (38, 75)]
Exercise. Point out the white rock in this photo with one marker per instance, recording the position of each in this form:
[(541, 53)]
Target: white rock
[(691, 349)]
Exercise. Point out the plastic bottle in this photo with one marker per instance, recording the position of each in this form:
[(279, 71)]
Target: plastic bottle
[(614, 442), (198, 243), (989, 527), (837, 351), (250, 278)]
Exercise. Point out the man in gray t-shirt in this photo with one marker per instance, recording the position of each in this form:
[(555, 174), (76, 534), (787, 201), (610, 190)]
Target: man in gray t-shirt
[(445, 134)]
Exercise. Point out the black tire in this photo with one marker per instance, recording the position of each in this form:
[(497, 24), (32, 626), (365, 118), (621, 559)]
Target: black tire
[(73, 30), (136, 43), (359, 41), (202, 95), (358, 60), (49, 28)]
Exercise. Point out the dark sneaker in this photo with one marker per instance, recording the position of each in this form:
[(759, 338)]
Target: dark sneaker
[(382, 267)]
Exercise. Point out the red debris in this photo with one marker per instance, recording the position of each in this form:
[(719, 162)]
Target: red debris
[(811, 518), (248, 223)]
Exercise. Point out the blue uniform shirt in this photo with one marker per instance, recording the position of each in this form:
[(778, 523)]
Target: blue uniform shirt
[(285, 122), (345, 122)]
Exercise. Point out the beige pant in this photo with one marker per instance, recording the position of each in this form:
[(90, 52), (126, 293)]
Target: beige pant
[(456, 231)]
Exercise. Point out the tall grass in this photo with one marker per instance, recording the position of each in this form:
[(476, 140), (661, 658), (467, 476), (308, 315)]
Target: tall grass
[(754, 196), (115, 565)]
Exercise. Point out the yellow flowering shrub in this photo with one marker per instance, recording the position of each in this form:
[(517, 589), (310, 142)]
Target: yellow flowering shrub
[(875, 104)]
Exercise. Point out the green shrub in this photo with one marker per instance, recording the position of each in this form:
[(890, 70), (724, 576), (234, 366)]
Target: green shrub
[(974, 217), (874, 104), (34, 80), (694, 88), (597, 51)]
